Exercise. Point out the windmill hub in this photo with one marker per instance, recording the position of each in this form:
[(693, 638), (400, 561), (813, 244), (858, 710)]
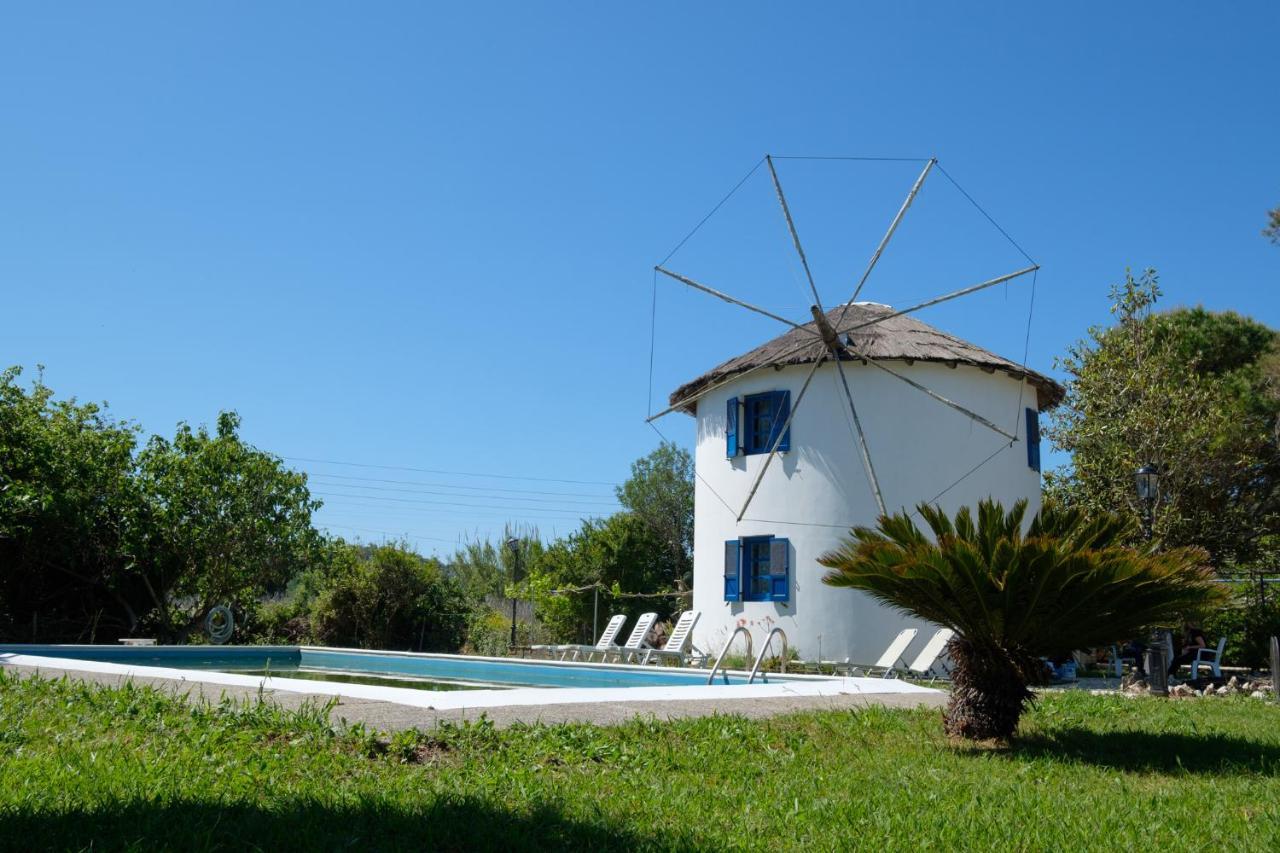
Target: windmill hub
[(824, 329)]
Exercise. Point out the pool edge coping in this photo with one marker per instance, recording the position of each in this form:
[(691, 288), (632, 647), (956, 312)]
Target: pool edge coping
[(464, 700)]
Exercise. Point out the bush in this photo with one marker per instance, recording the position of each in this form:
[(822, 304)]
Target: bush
[(489, 633), (388, 597), (1248, 625), (278, 622)]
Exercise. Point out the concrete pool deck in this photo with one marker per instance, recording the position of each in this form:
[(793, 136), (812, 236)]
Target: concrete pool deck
[(389, 708)]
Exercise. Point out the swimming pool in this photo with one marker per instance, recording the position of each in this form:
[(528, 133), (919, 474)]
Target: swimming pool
[(525, 687), (421, 671)]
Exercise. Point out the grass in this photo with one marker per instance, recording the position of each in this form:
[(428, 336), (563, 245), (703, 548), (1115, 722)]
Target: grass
[(132, 768)]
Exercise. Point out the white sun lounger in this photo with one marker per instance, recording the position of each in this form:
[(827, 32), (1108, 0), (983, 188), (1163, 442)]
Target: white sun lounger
[(604, 644), (928, 658), (889, 662), (681, 637), (636, 642)]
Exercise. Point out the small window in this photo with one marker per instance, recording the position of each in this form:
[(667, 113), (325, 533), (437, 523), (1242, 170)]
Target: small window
[(1033, 439), (757, 568), (762, 417)]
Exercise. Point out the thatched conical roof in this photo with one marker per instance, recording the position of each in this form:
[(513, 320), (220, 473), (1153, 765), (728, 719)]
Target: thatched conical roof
[(897, 338)]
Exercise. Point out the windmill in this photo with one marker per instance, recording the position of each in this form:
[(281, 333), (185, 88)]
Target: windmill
[(838, 338)]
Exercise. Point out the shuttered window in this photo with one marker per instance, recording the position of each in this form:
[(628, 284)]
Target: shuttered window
[(763, 416), (731, 428), (1033, 439), (757, 568), (732, 571)]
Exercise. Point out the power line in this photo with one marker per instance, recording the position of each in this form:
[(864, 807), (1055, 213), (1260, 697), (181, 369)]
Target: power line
[(509, 511), (460, 486), (406, 533), (478, 497), (450, 473), (450, 503)]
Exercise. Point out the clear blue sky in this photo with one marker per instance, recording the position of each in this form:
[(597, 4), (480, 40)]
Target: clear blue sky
[(422, 236)]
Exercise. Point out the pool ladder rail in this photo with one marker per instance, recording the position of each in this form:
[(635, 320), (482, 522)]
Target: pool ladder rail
[(755, 669)]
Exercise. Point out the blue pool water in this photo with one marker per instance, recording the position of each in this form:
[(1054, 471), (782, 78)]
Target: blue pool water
[(460, 670)]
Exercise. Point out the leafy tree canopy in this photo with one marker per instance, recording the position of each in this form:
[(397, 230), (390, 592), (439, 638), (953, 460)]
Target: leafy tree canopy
[(660, 492), (98, 540), (220, 522), (620, 552), (67, 500), (1190, 391)]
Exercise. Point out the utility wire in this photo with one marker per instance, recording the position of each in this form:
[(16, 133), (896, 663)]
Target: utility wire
[(609, 501), (451, 473), (457, 504), (461, 486), (406, 533)]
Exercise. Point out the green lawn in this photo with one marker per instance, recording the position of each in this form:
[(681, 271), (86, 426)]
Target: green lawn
[(131, 768)]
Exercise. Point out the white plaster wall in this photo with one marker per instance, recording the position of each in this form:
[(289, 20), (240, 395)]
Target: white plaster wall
[(813, 494)]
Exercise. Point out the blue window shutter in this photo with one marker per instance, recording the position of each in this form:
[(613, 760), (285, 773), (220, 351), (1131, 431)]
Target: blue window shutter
[(731, 428), (1033, 439), (779, 569), (732, 566), (781, 411)]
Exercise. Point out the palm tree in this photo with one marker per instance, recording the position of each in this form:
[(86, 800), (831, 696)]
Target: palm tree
[(1067, 583)]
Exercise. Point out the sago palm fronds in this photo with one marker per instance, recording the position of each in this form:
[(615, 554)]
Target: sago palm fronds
[(1011, 597)]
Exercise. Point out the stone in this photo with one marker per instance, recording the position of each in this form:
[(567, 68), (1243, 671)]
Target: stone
[(1258, 694), (1233, 682), (1224, 690)]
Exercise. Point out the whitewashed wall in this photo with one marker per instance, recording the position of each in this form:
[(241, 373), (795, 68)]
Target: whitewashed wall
[(814, 493)]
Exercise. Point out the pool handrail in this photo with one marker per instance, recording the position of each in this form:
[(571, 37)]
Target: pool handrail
[(768, 641), (741, 629)]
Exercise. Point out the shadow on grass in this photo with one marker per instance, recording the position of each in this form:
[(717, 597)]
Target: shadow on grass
[(1210, 754), (464, 824)]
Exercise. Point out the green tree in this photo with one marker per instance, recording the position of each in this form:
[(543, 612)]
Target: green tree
[(660, 493), (484, 568), (221, 522), (1272, 231), (66, 500), (1068, 583), (621, 553), (388, 597), (1190, 391)]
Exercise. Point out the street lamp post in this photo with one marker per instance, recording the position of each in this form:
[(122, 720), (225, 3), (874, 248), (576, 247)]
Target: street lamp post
[(1147, 481), (514, 545)]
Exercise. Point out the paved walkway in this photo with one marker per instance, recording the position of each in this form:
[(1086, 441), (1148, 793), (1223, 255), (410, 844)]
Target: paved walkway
[(390, 716)]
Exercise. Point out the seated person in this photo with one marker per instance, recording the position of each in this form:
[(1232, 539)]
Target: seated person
[(1192, 642), (1137, 650)]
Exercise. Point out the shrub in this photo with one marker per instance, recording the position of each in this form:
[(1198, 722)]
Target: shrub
[(1248, 624), (389, 597), (1012, 597)]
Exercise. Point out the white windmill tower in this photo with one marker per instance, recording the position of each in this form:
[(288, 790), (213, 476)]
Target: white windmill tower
[(908, 414)]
